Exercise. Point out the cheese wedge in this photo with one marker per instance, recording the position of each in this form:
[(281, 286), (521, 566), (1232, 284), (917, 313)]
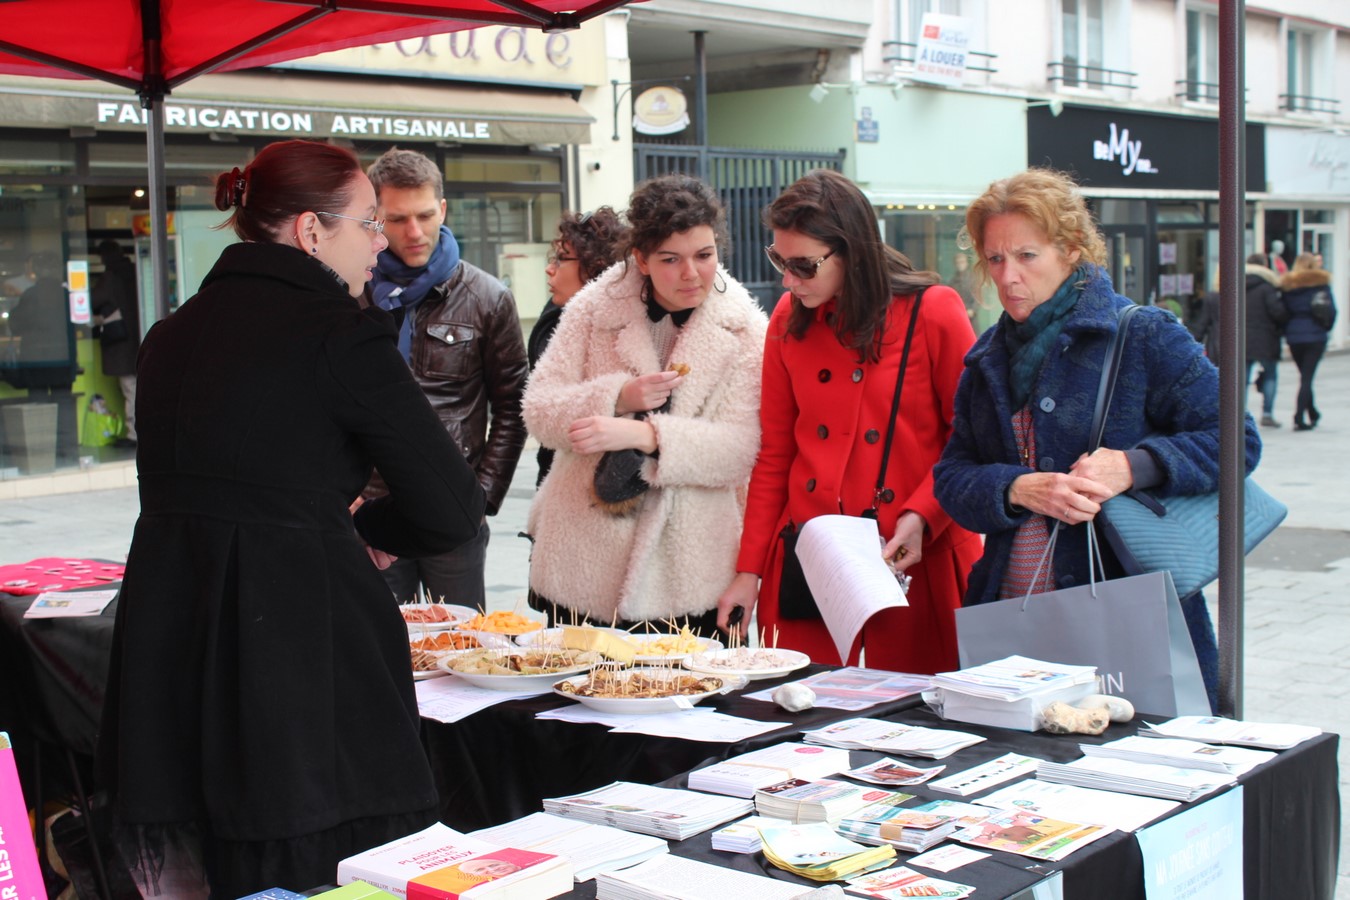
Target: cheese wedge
[(605, 643)]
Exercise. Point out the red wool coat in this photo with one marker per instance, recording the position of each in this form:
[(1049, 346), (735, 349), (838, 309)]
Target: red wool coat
[(823, 416)]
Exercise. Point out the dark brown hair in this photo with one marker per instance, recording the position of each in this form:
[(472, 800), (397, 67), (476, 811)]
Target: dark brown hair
[(826, 206), (596, 238), (672, 204), (284, 180)]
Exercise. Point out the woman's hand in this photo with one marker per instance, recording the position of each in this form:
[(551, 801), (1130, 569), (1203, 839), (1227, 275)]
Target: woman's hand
[(1071, 499), (1109, 468), (905, 547), (744, 593), (646, 392), (381, 559), (600, 434)]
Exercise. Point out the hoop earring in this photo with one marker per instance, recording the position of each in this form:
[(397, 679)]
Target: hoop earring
[(722, 287)]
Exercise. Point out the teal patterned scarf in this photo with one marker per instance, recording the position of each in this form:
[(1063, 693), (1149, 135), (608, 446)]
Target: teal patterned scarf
[(1028, 342)]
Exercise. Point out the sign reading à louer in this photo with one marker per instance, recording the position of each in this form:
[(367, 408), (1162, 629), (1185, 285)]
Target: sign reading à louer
[(250, 120)]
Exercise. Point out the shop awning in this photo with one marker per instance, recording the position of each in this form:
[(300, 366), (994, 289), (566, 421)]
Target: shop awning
[(289, 105)]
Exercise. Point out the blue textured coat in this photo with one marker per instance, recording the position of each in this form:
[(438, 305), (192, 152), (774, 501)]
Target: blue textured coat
[(1166, 402)]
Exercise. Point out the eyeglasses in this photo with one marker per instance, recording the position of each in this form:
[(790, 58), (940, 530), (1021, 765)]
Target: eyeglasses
[(557, 258), (374, 226), (798, 266)]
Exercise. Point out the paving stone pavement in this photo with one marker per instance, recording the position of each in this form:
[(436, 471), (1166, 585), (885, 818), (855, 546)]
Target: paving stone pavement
[(1296, 660)]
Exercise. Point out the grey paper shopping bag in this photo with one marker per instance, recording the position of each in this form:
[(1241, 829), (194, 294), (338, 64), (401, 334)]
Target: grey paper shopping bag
[(1131, 629)]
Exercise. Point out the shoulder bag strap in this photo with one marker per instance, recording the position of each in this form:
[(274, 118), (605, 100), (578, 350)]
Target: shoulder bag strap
[(1115, 349), (895, 405)]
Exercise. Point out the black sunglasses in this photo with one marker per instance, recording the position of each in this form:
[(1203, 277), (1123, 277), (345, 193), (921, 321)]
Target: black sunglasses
[(798, 266)]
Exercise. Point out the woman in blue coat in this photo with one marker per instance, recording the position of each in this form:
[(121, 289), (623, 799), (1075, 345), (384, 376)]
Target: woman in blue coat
[(1312, 315), (1017, 460)]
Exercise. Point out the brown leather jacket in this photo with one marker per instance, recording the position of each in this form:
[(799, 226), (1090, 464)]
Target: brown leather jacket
[(468, 355)]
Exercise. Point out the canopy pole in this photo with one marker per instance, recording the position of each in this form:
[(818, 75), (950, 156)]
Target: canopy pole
[(1233, 371), (153, 91)]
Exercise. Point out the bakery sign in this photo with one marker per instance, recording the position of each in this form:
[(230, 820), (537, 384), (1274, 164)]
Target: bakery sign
[(190, 117)]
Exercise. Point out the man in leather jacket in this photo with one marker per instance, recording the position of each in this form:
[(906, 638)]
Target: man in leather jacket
[(460, 332)]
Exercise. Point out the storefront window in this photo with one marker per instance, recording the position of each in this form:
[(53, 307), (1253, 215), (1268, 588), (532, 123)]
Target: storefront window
[(507, 234), (36, 157), (1120, 212), (503, 168), (1177, 213)]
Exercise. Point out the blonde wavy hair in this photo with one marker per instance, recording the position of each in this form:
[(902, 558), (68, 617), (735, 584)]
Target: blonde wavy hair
[(1051, 201)]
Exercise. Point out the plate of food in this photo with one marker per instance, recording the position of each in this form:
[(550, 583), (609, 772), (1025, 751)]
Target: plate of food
[(429, 648), (751, 663), (500, 622), (653, 648), (434, 616), (520, 669), (576, 634), (644, 690)]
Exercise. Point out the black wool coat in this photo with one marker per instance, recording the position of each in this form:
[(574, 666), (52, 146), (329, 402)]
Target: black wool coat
[(261, 682)]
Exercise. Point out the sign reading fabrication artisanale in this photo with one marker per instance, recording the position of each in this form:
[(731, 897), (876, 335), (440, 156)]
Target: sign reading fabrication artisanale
[(306, 123)]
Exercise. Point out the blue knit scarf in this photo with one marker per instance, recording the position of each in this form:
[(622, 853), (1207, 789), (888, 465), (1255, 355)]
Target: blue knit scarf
[(1029, 342), (398, 285)]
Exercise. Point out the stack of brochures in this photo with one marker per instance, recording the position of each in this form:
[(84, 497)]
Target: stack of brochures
[(801, 801), (892, 737), (743, 836), (1029, 834), (1124, 812), (908, 829), (1178, 752), (816, 852), (1011, 692), (742, 775), (1214, 730), (986, 775), (674, 876), (1168, 782), (591, 848), (902, 881), (664, 812)]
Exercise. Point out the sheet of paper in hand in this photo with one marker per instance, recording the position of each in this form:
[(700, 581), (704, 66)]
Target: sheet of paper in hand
[(841, 558)]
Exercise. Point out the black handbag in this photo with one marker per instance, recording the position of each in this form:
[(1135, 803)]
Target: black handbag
[(794, 594), (113, 329), (618, 483)]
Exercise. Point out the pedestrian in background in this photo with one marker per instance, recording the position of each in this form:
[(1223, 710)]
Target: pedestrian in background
[(118, 324), (1312, 315), (1266, 318), (585, 246), (460, 333), (834, 353), (600, 393)]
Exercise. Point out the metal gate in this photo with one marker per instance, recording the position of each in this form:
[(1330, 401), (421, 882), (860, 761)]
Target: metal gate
[(747, 181)]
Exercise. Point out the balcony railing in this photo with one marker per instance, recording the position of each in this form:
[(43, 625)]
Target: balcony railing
[(903, 52), (1198, 91), (1305, 103), (1073, 74)]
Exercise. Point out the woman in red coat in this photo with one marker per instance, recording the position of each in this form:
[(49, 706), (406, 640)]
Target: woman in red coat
[(830, 365)]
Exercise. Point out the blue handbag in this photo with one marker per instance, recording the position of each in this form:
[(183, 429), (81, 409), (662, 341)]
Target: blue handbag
[(1178, 534)]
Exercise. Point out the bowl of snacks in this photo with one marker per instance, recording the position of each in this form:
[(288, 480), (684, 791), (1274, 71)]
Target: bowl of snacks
[(643, 690), (658, 648), (500, 622), (521, 669)]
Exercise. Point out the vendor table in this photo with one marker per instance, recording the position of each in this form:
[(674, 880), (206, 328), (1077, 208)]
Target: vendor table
[(500, 763)]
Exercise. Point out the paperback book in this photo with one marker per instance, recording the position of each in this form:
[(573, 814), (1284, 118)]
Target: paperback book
[(439, 863), (801, 801)]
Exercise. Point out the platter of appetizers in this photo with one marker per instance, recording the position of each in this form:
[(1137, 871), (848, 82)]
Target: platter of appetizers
[(752, 663), (500, 622), (659, 648), (434, 616), (643, 690), (521, 669)]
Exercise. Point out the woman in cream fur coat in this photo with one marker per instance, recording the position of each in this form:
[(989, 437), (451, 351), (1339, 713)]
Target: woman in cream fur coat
[(670, 304)]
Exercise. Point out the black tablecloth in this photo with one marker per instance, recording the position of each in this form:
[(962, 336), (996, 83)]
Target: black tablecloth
[(501, 763)]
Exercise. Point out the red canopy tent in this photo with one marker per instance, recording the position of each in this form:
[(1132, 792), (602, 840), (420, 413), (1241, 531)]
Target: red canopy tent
[(152, 46)]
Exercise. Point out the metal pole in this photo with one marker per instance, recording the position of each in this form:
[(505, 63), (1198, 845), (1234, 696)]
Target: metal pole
[(159, 204), (701, 101), (1232, 373)]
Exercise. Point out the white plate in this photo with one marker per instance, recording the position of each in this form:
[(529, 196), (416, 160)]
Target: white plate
[(644, 705), (705, 645), (552, 637), (457, 614), (512, 682), (792, 661)]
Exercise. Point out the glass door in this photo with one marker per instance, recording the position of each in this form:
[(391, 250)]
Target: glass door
[(1125, 260)]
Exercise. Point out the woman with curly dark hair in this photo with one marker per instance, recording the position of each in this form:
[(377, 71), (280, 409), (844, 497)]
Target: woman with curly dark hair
[(586, 245), (668, 324)]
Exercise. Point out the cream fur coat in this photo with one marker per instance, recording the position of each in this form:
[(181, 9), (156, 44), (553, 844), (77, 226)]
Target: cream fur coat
[(677, 553)]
